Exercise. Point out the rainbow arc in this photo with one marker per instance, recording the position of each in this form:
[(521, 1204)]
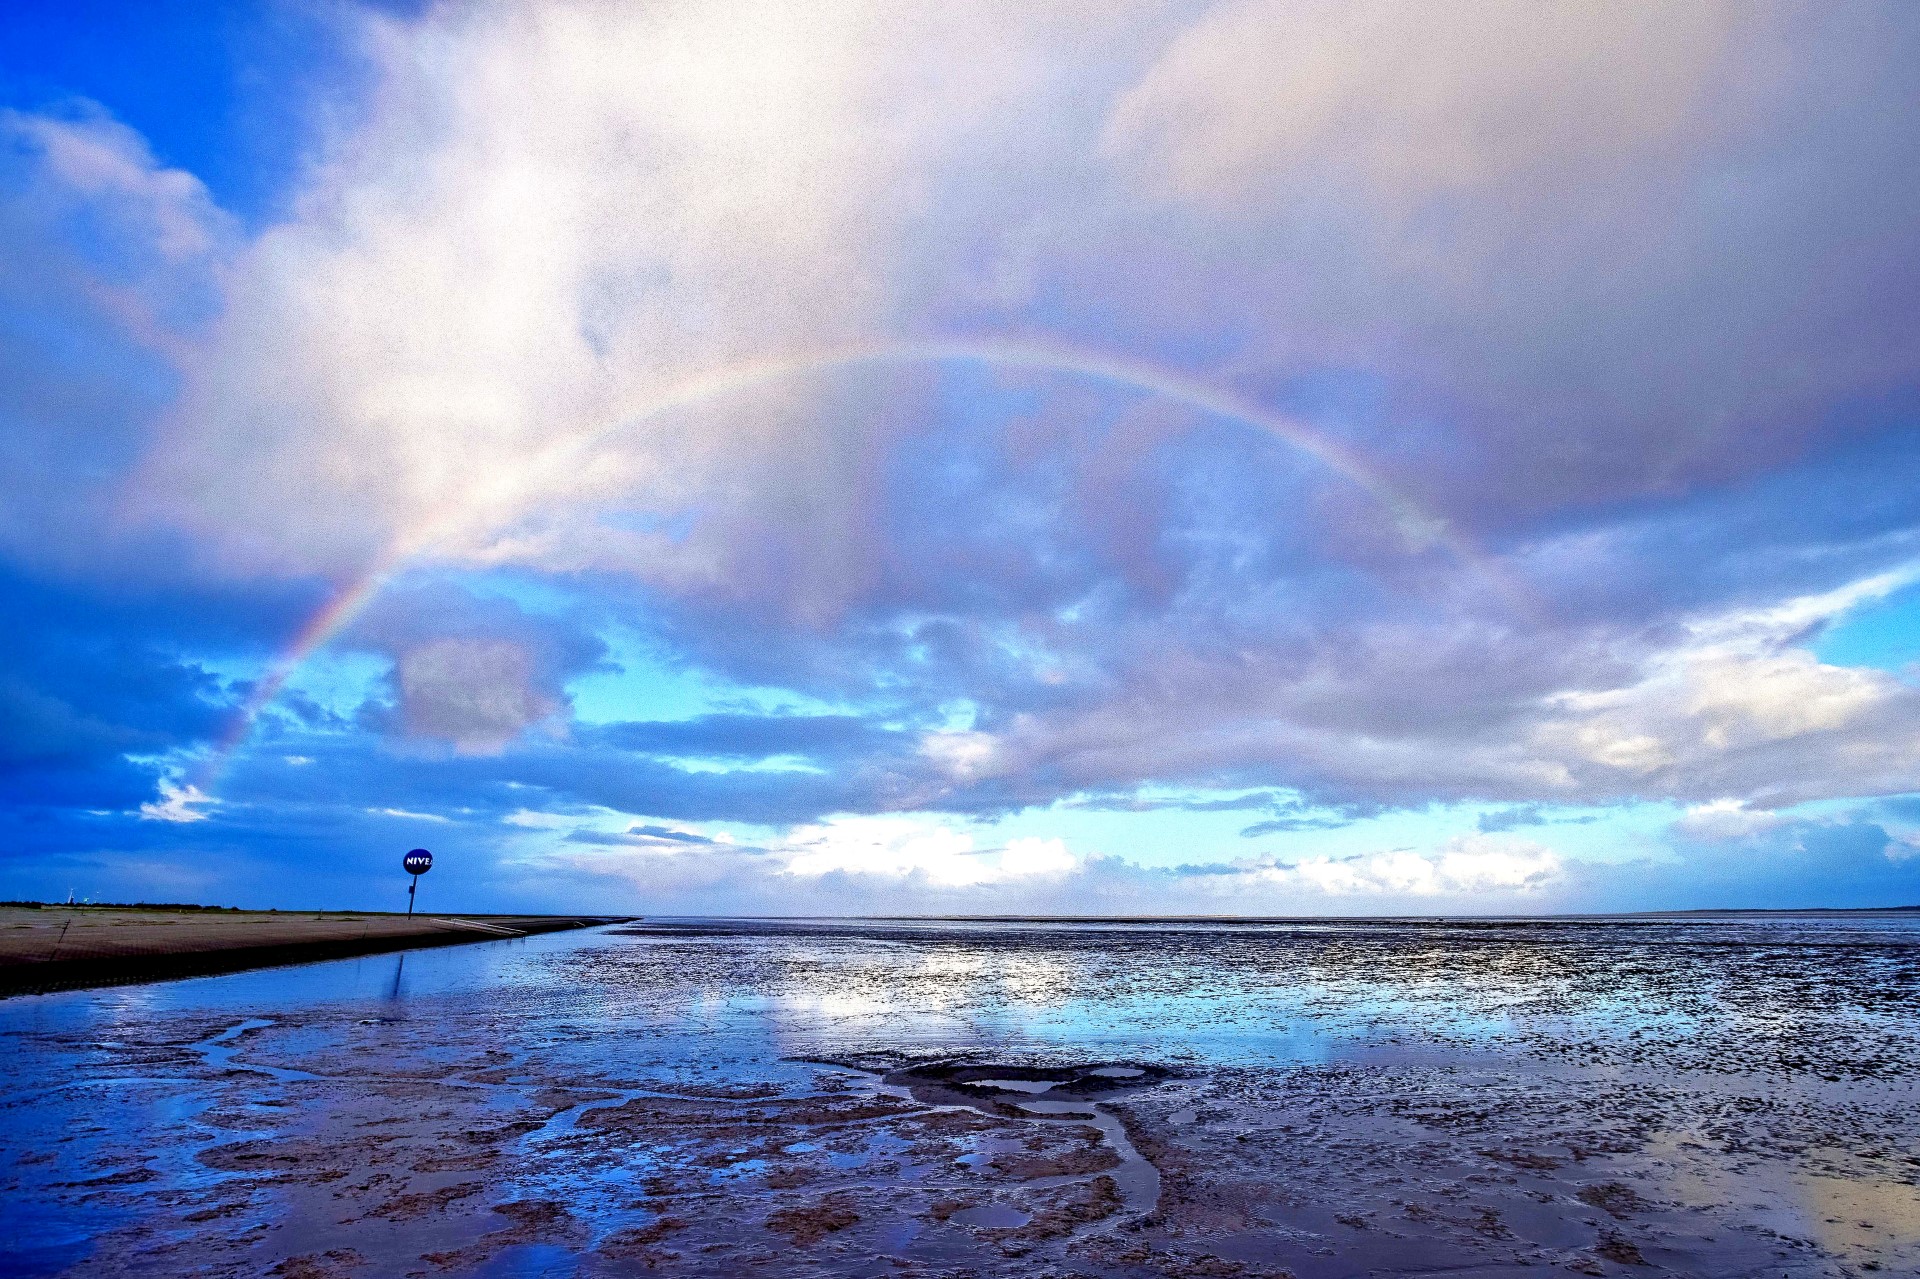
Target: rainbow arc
[(1420, 527)]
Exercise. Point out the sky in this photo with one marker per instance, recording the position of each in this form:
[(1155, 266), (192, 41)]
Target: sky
[(866, 458)]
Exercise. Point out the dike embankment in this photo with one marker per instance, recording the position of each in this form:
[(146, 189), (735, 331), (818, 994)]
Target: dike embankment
[(47, 948)]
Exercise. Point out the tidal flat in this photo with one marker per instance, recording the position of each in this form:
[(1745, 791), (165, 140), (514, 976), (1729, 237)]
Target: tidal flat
[(1718, 1096)]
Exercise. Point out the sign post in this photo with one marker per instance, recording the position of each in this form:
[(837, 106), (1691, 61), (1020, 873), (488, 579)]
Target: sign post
[(417, 863)]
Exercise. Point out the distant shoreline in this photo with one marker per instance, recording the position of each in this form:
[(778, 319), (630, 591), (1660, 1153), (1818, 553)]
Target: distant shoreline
[(45, 948), (1651, 915)]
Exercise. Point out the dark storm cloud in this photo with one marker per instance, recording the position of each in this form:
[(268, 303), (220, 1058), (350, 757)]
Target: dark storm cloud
[(85, 683), (318, 854), (556, 775), (1838, 862)]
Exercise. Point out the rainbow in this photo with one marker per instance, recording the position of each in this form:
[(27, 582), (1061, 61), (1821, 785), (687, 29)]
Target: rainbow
[(1421, 528)]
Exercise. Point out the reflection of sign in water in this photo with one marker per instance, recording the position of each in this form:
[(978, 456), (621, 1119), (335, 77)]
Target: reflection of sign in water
[(417, 863)]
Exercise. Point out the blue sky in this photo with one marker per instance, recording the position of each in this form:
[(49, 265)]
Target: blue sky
[(1223, 458)]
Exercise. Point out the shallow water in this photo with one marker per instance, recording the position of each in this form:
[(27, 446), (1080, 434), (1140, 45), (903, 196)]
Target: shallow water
[(1728, 1095)]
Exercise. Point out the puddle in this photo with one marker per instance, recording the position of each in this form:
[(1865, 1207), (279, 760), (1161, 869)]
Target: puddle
[(1136, 1178), (1030, 1086), (218, 1052), (992, 1217)]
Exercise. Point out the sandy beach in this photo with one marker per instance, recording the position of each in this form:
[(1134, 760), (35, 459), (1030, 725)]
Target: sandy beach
[(65, 948)]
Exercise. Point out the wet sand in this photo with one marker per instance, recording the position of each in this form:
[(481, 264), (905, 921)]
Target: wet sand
[(65, 948), (1725, 1098)]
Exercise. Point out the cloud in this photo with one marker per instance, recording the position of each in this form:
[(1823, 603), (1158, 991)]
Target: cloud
[(1735, 708), (111, 271), (1467, 864), (912, 864), (1549, 220), (177, 803), (479, 274), (95, 697), (825, 739), (471, 277), (1836, 863), (412, 816), (1154, 803), (1505, 819), (905, 847), (99, 168), (1783, 865), (1284, 825), (1723, 819), (477, 694), (540, 777), (1412, 107), (661, 838), (1719, 705), (470, 668)]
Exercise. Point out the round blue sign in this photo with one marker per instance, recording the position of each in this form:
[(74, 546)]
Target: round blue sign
[(418, 862)]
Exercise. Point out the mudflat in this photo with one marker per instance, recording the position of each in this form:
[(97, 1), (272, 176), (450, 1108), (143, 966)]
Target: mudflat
[(1319, 1099), (64, 947)]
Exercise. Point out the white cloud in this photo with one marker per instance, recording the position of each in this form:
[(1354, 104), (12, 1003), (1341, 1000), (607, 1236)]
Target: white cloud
[(1466, 865), (903, 847), (545, 216), (962, 755), (1736, 702), (544, 219), (91, 159), (921, 864), (1695, 701), (411, 815), (1724, 819), (1724, 706), (532, 820), (177, 803)]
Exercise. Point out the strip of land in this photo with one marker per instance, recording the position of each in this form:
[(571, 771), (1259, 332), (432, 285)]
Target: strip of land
[(67, 947)]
